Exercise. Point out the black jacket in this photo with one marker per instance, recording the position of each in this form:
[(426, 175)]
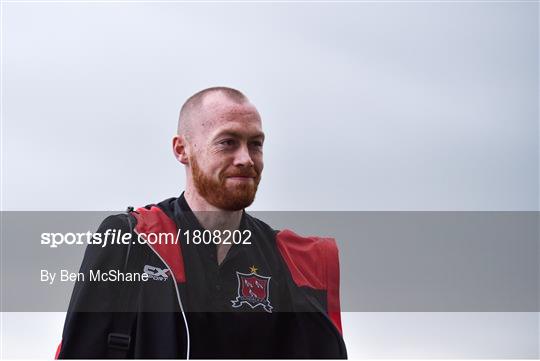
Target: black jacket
[(275, 298)]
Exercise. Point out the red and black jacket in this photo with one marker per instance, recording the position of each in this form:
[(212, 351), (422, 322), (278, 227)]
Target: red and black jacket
[(275, 298)]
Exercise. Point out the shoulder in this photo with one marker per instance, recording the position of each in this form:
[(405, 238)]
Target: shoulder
[(312, 244), (122, 221), (155, 217), (311, 259)]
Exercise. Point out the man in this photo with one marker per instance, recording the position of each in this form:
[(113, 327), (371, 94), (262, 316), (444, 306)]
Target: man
[(262, 294)]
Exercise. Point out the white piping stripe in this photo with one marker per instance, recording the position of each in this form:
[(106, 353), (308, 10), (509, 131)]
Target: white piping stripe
[(177, 292)]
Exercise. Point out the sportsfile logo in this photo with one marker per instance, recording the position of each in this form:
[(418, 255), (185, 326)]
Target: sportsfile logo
[(156, 273)]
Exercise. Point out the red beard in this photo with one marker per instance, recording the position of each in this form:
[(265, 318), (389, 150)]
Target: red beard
[(232, 197)]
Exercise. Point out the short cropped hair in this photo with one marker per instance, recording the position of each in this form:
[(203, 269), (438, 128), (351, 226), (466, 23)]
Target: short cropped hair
[(195, 101)]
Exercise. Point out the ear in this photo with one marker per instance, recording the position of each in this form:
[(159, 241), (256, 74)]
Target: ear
[(179, 149)]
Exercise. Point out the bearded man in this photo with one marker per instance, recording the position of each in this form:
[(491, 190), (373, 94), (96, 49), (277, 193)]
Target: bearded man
[(230, 286)]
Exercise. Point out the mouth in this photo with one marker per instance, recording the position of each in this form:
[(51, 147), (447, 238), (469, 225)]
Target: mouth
[(240, 178)]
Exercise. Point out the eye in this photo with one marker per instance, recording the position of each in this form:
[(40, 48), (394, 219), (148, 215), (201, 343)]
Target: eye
[(227, 142), (256, 146)]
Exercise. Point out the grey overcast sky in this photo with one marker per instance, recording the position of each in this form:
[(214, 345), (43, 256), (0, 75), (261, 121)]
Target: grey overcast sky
[(366, 106)]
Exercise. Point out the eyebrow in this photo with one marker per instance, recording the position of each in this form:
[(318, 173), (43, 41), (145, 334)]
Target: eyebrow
[(238, 135)]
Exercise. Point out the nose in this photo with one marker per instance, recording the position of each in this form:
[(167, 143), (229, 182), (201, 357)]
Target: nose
[(243, 158)]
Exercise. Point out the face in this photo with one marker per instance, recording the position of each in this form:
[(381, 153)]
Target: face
[(226, 158)]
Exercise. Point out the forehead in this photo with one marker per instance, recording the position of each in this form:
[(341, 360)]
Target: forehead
[(219, 115)]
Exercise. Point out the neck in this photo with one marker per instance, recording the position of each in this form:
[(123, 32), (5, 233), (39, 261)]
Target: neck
[(209, 216)]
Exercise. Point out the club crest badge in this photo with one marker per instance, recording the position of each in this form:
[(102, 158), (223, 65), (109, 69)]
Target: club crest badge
[(253, 290)]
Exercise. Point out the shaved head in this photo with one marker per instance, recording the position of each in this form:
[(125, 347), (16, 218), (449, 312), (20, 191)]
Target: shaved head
[(194, 108)]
